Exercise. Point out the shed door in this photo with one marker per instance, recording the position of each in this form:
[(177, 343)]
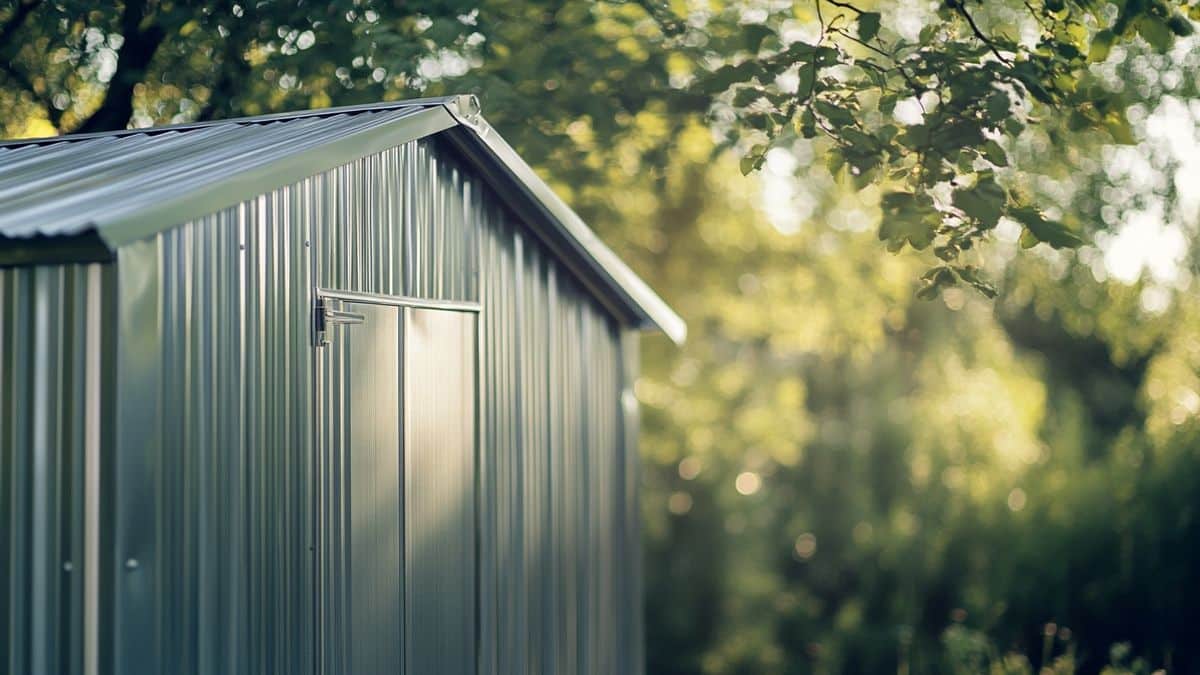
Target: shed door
[(396, 490)]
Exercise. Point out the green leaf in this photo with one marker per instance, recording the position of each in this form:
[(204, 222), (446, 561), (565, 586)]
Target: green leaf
[(1118, 126), (836, 115), (1155, 31), (984, 202), (1028, 240), (908, 217), (946, 253), (753, 36), (995, 154), (868, 26), (1101, 46), (806, 124), (865, 177), (1180, 26), (972, 275), (723, 77), (1032, 79), (746, 95), (753, 159), (804, 81), (886, 133), (998, 106), (1051, 232)]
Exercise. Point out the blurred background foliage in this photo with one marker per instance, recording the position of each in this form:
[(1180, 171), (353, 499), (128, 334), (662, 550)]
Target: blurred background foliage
[(838, 477)]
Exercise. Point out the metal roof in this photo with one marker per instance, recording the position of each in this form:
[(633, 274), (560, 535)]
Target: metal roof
[(78, 198)]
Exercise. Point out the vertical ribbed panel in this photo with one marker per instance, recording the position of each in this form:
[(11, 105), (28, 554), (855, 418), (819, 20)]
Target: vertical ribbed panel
[(632, 644), (402, 222), (214, 444), (214, 501), (210, 564), (45, 437), (439, 493), (558, 567)]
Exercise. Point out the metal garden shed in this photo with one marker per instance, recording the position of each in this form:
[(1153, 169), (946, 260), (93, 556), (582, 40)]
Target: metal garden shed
[(338, 391)]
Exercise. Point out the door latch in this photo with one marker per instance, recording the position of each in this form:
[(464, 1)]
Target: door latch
[(324, 315)]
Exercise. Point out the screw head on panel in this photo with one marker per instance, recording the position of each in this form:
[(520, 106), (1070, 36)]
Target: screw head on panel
[(131, 564)]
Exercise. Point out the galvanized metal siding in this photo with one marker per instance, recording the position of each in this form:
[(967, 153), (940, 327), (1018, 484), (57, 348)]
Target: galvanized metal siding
[(401, 222), (439, 492), (210, 564), (559, 554), (213, 447), (48, 386), (214, 502)]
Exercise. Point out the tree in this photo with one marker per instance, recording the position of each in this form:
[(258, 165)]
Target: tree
[(925, 109), (541, 65)]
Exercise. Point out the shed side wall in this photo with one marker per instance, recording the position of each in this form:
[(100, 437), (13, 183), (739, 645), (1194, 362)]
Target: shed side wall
[(50, 351), (214, 509)]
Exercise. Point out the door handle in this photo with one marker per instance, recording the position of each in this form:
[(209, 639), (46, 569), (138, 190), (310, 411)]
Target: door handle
[(341, 316), (324, 315)]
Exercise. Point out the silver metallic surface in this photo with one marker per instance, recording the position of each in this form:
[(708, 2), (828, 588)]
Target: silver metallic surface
[(123, 186), (371, 531), (129, 187), (49, 426), (439, 491), (209, 415), (554, 549), (400, 301)]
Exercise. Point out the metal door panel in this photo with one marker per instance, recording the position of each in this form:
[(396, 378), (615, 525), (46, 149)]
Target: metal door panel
[(396, 486), (439, 433), (362, 488)]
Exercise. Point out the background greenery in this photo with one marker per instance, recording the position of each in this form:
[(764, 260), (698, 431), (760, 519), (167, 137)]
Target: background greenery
[(839, 476)]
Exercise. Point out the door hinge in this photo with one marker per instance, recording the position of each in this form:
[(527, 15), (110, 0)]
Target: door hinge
[(324, 315)]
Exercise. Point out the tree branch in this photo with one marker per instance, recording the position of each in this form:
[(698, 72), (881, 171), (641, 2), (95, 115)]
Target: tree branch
[(845, 5), (958, 7), (141, 43)]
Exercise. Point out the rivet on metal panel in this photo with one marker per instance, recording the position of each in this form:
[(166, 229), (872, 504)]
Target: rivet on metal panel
[(131, 564)]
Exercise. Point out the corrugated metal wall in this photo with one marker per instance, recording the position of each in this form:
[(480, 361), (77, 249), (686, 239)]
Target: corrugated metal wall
[(211, 558), (50, 347), (560, 556)]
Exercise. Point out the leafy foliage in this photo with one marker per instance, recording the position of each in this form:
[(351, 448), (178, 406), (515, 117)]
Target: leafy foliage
[(928, 117), (956, 486)]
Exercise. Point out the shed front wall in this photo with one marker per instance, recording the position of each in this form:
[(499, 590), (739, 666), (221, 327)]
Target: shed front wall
[(213, 557)]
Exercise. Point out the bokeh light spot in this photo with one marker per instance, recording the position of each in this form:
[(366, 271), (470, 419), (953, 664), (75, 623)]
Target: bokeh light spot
[(747, 483), (806, 546), (689, 468), (1016, 499), (679, 503)]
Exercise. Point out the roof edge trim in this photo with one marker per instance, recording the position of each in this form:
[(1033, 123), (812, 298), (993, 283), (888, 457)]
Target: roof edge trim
[(650, 310)]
